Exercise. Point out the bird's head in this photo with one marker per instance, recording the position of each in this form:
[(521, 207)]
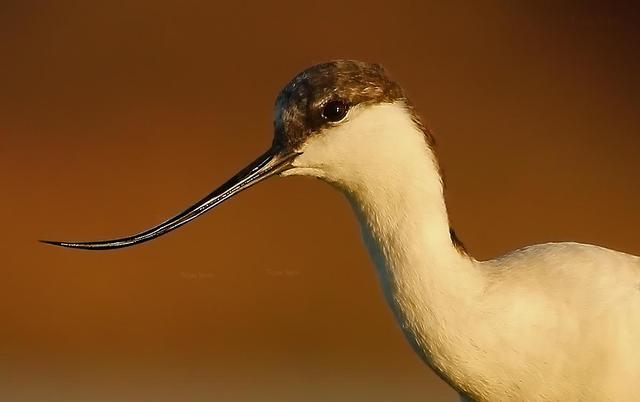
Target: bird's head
[(345, 122)]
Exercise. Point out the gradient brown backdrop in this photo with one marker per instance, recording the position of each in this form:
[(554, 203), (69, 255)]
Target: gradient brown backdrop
[(115, 115)]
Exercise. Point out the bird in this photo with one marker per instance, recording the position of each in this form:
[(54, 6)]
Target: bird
[(558, 321)]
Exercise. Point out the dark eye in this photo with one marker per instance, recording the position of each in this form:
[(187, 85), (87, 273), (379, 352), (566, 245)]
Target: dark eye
[(335, 110)]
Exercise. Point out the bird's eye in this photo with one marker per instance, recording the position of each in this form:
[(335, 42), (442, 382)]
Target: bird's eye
[(335, 110)]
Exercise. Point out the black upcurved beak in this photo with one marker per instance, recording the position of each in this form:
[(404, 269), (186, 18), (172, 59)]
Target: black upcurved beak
[(272, 162)]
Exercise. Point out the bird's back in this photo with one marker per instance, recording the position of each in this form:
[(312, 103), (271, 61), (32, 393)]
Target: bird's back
[(564, 321)]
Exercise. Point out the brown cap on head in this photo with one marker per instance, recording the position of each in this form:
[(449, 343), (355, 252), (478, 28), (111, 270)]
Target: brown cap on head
[(299, 106)]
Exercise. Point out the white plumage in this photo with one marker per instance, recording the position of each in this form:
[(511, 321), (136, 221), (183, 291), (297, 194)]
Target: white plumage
[(551, 322)]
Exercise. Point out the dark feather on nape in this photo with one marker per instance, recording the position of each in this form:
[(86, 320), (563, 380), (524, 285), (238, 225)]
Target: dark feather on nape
[(457, 243), (417, 121)]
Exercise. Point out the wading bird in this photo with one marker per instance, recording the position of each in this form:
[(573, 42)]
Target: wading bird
[(550, 322)]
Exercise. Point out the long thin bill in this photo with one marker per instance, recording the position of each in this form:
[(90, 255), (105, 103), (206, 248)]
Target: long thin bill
[(268, 164)]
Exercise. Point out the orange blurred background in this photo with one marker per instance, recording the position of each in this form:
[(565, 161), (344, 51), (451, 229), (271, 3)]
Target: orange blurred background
[(116, 115)]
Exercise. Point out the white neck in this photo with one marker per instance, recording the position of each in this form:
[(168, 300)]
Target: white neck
[(429, 284), (379, 159)]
